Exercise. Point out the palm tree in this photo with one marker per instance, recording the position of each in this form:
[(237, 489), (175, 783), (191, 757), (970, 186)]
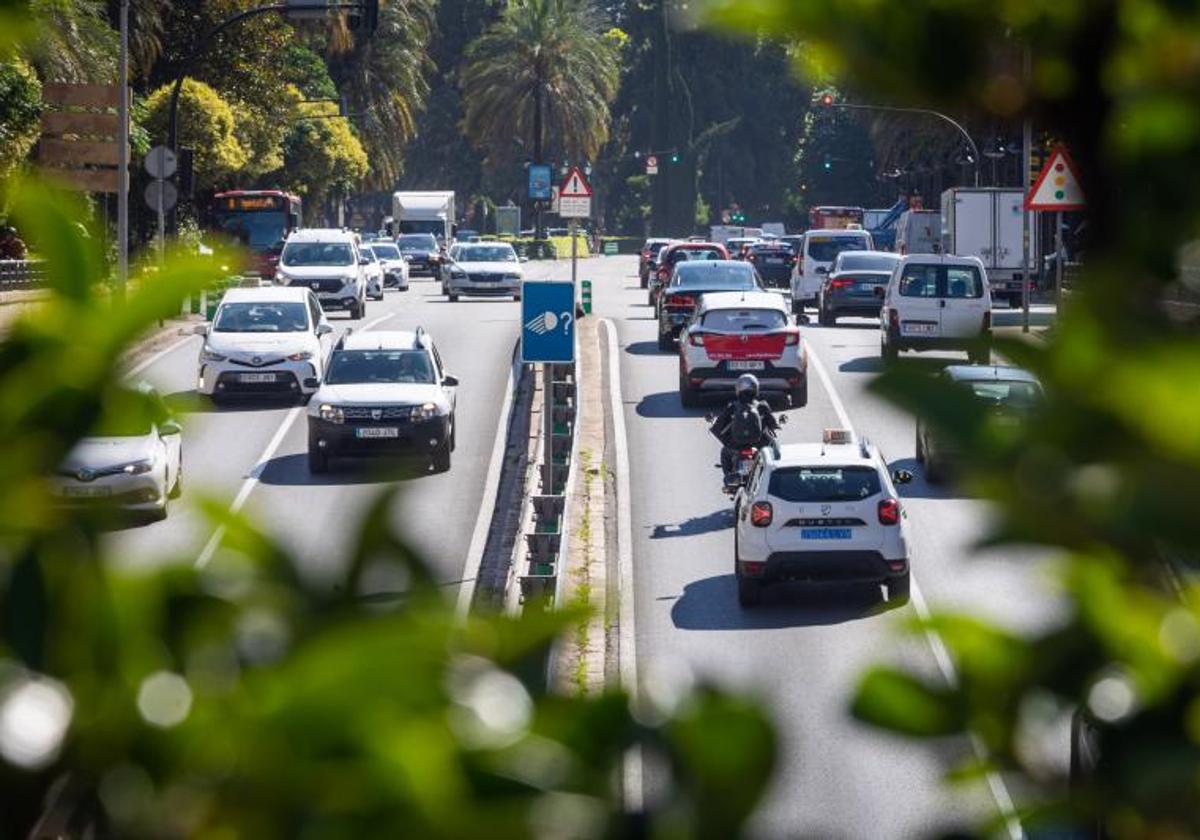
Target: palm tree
[(545, 68)]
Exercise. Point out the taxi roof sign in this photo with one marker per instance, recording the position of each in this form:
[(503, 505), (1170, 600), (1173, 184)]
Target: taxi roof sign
[(836, 437)]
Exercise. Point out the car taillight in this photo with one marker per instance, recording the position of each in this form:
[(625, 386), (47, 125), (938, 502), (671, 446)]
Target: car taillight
[(841, 283), (696, 339), (680, 301), (761, 514), (889, 512), (987, 321), (894, 319), (791, 338)]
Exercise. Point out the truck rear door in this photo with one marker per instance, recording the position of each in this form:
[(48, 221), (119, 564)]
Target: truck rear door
[(1010, 230), (973, 234)]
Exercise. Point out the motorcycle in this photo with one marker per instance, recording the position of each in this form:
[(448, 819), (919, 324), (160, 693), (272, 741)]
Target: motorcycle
[(742, 464)]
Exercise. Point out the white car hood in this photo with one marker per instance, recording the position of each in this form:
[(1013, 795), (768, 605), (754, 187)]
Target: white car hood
[(316, 272), (102, 452), (379, 393), (284, 344), (491, 267), (390, 264)]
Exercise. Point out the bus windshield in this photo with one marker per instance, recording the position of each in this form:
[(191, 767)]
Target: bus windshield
[(257, 231)]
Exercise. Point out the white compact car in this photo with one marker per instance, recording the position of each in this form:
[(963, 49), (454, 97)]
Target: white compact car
[(262, 342), (937, 302), (373, 272), (133, 462), (732, 333), (328, 262), (487, 269), (385, 393), (817, 252), (395, 267), (822, 513)]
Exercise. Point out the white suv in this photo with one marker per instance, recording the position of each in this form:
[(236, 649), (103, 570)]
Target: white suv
[(328, 262), (821, 512), (936, 302), (263, 341)]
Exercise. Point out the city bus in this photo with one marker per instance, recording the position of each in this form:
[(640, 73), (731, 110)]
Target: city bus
[(826, 218), (260, 220)]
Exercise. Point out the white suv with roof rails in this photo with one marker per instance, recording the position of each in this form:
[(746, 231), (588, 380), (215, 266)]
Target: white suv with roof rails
[(937, 302), (385, 393), (328, 262), (263, 341), (823, 513)]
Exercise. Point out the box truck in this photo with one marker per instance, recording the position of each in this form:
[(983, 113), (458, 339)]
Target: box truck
[(919, 232), (424, 212), (987, 222)]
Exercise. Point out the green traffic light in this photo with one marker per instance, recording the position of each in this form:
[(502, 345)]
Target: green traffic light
[(674, 158)]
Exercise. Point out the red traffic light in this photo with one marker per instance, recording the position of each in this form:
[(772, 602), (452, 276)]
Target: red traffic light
[(827, 100)]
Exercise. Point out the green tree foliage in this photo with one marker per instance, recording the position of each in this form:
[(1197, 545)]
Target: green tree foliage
[(74, 43), (207, 123), (543, 75), (836, 160), (20, 111), (322, 155), (1103, 471)]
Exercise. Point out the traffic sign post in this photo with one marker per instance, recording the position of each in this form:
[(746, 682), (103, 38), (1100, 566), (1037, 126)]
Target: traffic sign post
[(1057, 189), (548, 337), (575, 202), (651, 165)]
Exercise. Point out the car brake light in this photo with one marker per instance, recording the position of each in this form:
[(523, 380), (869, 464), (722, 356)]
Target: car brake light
[(680, 301), (761, 514), (791, 338), (841, 283), (696, 339), (889, 512)]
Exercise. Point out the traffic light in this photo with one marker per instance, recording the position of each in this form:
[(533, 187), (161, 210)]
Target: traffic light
[(674, 157), (828, 164), (826, 100)]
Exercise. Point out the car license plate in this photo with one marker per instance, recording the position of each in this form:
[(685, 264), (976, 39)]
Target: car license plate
[(746, 365), (256, 377), (918, 329), (387, 432), (774, 261), (86, 492), (824, 533)]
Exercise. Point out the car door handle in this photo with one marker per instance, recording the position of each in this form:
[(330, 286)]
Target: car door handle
[(942, 303)]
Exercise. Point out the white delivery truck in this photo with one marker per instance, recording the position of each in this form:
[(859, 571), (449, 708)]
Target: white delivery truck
[(919, 232), (424, 212), (987, 222)]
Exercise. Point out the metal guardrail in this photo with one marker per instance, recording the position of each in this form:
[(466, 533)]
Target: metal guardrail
[(20, 274)]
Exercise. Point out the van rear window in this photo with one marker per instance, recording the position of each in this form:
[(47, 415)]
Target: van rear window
[(826, 248)]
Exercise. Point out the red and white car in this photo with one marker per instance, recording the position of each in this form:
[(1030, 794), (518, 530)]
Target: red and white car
[(732, 333)]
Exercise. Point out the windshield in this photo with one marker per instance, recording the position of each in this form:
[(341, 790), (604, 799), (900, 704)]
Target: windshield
[(741, 320), (386, 252), (487, 253), (354, 367), (721, 275), (261, 317), (826, 248), (1016, 394), (417, 242), (317, 253), (867, 262), (824, 484), (684, 254), (257, 231)]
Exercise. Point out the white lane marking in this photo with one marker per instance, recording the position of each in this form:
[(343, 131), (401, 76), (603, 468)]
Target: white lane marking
[(941, 655), (147, 362), (255, 475), (487, 507), (627, 637)]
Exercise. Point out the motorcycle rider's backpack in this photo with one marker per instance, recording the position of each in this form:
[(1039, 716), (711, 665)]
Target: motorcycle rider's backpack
[(746, 427)]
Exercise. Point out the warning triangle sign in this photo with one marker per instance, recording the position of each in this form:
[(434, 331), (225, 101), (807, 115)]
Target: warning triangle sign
[(576, 186), (1057, 188)]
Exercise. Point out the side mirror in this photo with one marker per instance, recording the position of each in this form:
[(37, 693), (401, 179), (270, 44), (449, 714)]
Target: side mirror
[(710, 417), (902, 476), (450, 381), (169, 427), (363, 261), (324, 328), (822, 270), (783, 420), (200, 329), (522, 259)]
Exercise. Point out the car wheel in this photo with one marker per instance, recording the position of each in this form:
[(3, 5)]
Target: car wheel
[(797, 307), (318, 461), (799, 394), (453, 432), (666, 342), (159, 514), (645, 281), (441, 458), (897, 591), (749, 592), (980, 357), (689, 396), (453, 297), (358, 310), (177, 488), (650, 298), (517, 298), (888, 351)]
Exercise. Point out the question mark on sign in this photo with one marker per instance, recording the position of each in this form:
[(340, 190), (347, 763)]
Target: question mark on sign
[(566, 318)]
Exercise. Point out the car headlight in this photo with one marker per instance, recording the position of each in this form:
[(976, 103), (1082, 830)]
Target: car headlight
[(139, 467), (349, 278), (512, 277), (302, 356), (333, 413), (427, 411), (458, 273), (207, 355)]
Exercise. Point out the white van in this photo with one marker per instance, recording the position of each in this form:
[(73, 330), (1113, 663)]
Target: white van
[(936, 302), (817, 252)]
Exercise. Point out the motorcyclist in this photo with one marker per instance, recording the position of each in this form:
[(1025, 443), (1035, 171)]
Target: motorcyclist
[(731, 429)]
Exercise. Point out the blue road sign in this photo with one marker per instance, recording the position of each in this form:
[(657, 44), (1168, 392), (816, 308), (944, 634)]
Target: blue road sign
[(547, 321), (541, 182)]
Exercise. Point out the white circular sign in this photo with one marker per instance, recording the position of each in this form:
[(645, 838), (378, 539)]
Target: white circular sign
[(169, 194), (160, 162)]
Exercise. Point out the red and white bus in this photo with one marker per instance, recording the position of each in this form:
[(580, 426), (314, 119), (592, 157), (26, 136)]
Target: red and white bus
[(260, 220), (835, 218)]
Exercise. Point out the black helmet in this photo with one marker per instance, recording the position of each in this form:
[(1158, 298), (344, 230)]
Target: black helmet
[(747, 387)]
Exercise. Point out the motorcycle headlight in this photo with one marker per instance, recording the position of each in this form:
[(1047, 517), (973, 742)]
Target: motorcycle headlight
[(302, 356), (138, 467), (333, 413), (427, 411), (208, 355)]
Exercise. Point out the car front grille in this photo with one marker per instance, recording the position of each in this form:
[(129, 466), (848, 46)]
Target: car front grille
[(320, 284), (378, 414), (486, 277), (261, 363)]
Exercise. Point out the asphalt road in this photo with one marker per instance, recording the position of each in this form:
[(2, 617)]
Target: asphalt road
[(255, 455), (804, 649)]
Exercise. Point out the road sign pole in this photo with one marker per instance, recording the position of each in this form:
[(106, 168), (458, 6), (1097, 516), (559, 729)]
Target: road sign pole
[(547, 429), (1058, 260), (1026, 154), (123, 156), (162, 222), (574, 252)]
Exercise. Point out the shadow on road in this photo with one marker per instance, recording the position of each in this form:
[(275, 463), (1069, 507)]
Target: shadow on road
[(189, 402), (718, 520), (646, 348), (874, 364), (711, 604), (666, 404), (921, 488), (292, 471)]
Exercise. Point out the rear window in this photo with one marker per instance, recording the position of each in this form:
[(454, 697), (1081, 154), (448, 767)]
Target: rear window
[(686, 254), (928, 281), (826, 248), (867, 262), (743, 320), (1011, 394), (824, 484), (655, 247), (723, 275)]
